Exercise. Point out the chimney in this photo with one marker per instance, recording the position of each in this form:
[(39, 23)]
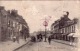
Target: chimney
[(67, 13), (14, 12)]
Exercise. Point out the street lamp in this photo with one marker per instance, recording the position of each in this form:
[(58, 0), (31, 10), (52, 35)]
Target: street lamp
[(45, 23)]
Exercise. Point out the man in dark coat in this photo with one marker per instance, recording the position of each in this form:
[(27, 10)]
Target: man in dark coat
[(49, 39), (40, 36), (37, 37)]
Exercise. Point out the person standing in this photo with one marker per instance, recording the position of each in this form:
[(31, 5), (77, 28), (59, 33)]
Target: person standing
[(17, 38), (25, 37), (49, 39), (37, 37), (14, 38), (40, 36)]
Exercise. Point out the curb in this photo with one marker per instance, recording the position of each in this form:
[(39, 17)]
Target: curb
[(21, 46), (64, 43)]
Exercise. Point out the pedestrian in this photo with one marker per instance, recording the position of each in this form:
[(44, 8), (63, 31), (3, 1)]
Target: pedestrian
[(49, 39), (14, 38), (37, 37), (41, 37), (17, 38), (25, 37)]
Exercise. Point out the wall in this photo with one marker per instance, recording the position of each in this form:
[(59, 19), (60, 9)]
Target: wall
[(0, 26)]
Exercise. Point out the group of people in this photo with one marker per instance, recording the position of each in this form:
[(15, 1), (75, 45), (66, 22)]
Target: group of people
[(39, 38)]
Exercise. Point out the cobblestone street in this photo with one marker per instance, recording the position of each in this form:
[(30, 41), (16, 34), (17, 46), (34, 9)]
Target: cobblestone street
[(44, 46)]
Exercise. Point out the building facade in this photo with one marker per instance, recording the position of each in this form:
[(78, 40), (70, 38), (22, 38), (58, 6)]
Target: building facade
[(3, 24), (65, 28), (11, 24)]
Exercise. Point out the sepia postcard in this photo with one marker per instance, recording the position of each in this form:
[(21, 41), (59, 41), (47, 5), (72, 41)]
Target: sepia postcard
[(39, 25)]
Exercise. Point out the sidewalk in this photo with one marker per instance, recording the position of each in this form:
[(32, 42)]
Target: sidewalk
[(66, 42), (10, 45)]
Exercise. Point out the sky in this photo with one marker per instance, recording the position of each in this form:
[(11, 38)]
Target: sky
[(34, 12)]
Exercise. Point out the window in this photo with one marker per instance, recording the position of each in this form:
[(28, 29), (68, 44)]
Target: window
[(66, 29), (13, 24), (9, 23), (73, 28), (69, 29), (61, 30)]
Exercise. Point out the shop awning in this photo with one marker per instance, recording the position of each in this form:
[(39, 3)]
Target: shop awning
[(76, 35), (71, 34)]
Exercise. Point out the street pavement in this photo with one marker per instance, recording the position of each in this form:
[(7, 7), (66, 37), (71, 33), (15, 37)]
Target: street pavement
[(45, 46), (10, 45)]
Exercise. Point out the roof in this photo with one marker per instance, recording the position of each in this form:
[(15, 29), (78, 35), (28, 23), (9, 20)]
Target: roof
[(17, 17)]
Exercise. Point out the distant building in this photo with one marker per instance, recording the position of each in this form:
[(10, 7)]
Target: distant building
[(65, 28), (11, 24)]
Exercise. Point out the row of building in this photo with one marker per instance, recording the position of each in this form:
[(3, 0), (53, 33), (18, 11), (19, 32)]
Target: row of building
[(12, 24), (65, 28)]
